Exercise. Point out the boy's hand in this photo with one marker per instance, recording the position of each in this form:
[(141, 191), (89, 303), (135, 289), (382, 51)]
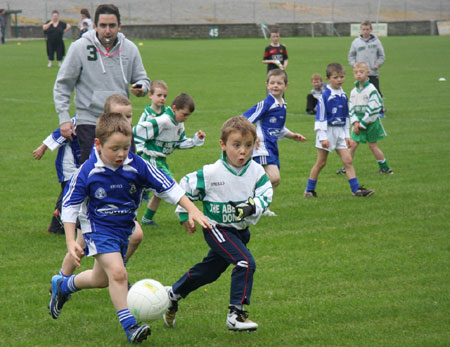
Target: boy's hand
[(67, 129), (38, 153), (76, 252), (243, 209), (258, 140), (201, 135), (325, 143), (188, 228), (298, 137), (348, 142), (356, 127)]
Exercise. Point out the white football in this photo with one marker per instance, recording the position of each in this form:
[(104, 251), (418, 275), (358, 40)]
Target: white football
[(147, 300)]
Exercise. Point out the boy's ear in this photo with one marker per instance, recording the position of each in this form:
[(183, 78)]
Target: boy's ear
[(98, 145), (222, 144)]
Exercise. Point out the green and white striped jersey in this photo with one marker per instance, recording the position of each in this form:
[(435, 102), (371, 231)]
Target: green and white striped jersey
[(159, 136), (365, 105), (219, 183)]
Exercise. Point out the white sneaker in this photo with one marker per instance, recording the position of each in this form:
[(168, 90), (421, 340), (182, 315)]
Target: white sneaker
[(49, 65), (237, 320), (170, 314), (269, 213)]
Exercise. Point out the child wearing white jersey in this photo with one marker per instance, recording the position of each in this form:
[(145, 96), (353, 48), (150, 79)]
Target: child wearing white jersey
[(235, 192), (365, 107), (158, 137)]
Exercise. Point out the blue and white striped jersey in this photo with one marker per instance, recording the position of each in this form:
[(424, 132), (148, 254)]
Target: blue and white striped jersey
[(68, 159), (332, 109), (269, 118), (106, 198)]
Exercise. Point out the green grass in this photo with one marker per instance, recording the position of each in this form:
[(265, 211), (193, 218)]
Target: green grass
[(333, 271)]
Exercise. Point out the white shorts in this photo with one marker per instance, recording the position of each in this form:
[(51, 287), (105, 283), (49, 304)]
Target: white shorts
[(336, 138)]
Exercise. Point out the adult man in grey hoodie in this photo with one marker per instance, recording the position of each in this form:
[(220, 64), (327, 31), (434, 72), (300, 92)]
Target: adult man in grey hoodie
[(101, 63), (367, 48)]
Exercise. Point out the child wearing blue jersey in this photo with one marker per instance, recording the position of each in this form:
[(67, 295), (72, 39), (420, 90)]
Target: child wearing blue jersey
[(105, 194), (269, 117), (66, 163), (332, 131), (235, 191)]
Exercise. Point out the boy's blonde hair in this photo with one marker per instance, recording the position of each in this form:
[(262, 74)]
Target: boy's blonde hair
[(183, 101), (277, 72), (240, 124), (334, 68), (316, 76), (115, 99), (366, 23), (110, 123), (158, 84), (361, 64)]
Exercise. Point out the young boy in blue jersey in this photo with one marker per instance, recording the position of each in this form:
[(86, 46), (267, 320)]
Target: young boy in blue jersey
[(332, 129), (235, 191), (158, 137), (269, 117), (105, 194), (66, 163)]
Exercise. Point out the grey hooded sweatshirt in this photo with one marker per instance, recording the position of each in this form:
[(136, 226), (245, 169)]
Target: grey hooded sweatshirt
[(95, 74), (369, 51)]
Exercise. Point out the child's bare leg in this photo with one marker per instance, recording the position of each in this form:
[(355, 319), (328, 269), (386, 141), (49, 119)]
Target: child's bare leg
[(154, 203), (321, 161), (93, 278), (135, 239), (68, 267), (273, 173), (376, 151), (353, 146), (347, 160)]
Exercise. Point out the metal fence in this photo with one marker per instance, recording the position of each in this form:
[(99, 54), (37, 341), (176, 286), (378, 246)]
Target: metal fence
[(242, 11)]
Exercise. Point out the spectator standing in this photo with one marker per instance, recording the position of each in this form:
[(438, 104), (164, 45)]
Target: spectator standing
[(54, 30)]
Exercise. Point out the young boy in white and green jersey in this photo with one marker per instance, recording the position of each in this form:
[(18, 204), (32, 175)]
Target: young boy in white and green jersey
[(365, 107), (157, 95), (235, 191), (158, 137)]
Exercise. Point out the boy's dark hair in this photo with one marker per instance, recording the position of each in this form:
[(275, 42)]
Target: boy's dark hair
[(110, 123), (115, 99), (107, 9), (240, 124), (183, 101), (366, 23), (85, 11), (274, 30), (55, 11), (158, 84), (334, 68), (277, 72)]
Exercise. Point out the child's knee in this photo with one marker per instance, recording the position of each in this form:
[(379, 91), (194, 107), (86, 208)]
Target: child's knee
[(275, 181), (137, 236), (118, 274)]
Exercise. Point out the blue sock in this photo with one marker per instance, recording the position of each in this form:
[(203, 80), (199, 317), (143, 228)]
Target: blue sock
[(126, 319), (68, 285), (354, 185), (311, 185)]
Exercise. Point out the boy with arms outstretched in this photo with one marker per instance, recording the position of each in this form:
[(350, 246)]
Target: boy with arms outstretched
[(105, 194), (269, 117), (366, 106), (158, 137), (332, 128), (235, 191)]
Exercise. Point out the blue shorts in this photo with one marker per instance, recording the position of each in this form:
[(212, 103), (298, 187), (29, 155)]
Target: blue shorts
[(99, 243), (267, 160)]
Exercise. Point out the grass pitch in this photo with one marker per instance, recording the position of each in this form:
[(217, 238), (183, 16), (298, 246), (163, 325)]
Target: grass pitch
[(332, 271)]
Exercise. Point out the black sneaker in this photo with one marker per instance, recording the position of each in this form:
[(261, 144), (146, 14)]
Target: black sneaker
[(386, 172), (137, 334), (310, 194), (341, 171), (361, 192)]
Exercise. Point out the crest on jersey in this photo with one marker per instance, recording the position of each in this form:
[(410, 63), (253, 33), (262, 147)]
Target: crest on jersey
[(273, 120), (132, 188), (100, 193)]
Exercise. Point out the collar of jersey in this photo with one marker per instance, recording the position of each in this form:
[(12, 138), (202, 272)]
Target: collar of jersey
[(171, 114), (276, 102), (334, 91), (100, 164), (238, 171), (365, 84)]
